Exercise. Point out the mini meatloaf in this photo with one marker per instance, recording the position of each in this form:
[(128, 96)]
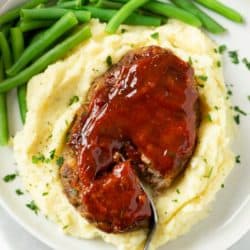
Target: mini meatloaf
[(140, 124)]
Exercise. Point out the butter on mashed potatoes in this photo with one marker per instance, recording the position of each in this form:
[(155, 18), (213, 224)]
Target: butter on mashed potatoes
[(51, 111)]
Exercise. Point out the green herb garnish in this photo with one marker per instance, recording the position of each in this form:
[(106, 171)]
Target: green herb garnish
[(19, 192), (234, 56), (52, 154), (208, 175), (246, 62), (73, 100), (237, 109), (209, 118), (123, 31), (222, 49), (10, 177), (237, 159), (155, 35), (39, 158), (203, 78), (109, 61), (190, 61), (59, 161), (237, 119), (33, 207)]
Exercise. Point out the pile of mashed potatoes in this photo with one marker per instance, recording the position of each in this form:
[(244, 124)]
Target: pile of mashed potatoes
[(50, 115)]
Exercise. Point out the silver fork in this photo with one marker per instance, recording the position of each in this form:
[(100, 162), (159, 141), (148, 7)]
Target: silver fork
[(154, 219)]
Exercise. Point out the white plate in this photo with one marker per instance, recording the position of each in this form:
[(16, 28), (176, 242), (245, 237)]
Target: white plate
[(230, 217)]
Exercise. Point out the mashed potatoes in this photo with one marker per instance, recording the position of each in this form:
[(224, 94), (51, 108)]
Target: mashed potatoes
[(51, 111)]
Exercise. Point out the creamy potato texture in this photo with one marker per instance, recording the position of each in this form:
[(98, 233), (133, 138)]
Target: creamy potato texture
[(51, 112)]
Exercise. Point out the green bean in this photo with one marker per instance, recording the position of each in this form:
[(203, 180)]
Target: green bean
[(134, 19), (6, 54), (4, 128), (172, 11), (70, 4), (222, 10), (37, 36), (53, 13), (123, 13), (169, 10), (34, 24), (17, 41), (22, 102), (14, 13), (210, 24), (108, 4), (50, 57), (6, 29), (51, 35)]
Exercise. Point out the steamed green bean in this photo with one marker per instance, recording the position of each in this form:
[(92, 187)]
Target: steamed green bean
[(222, 9), (17, 41), (53, 14), (13, 14), (63, 25), (133, 19), (5, 49), (4, 128), (209, 23), (35, 24), (123, 13), (50, 57)]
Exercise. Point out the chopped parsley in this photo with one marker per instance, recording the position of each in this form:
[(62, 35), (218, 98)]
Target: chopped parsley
[(203, 78), (190, 61), (248, 98), (19, 192), (208, 175), (216, 108), (45, 193), (178, 191), (237, 159), (246, 62), (234, 56), (109, 61), (229, 92), (237, 109), (123, 30), (52, 154), (218, 64), (59, 161), (209, 118), (175, 200), (39, 158), (222, 49), (10, 177), (155, 35), (73, 100), (201, 85), (222, 185), (237, 119), (33, 207)]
